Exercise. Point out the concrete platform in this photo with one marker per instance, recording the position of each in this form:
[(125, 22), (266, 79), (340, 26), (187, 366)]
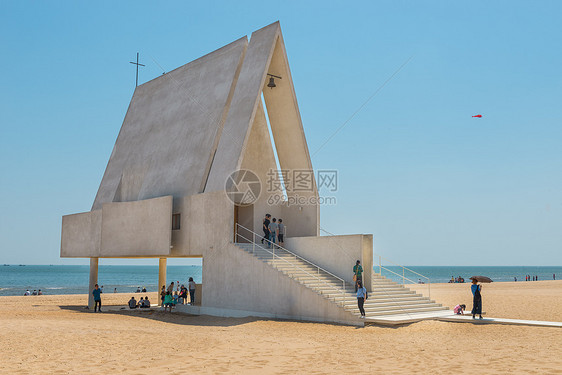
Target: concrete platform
[(520, 322), (398, 319)]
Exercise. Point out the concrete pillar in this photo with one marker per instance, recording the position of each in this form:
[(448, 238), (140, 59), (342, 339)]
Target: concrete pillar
[(161, 276), (93, 281)]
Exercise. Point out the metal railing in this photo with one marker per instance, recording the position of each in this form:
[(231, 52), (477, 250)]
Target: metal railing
[(273, 245), (403, 276)]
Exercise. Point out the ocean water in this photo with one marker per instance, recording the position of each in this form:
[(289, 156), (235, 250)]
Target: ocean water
[(14, 280), (442, 274)]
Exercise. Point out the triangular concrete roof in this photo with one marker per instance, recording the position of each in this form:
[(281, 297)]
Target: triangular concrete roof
[(186, 131)]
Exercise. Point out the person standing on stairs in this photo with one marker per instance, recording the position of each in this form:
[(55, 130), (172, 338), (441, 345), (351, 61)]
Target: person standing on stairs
[(273, 231), (361, 294), (281, 232), (357, 273), (265, 227)]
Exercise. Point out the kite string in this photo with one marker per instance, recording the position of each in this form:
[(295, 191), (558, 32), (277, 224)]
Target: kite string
[(362, 105)]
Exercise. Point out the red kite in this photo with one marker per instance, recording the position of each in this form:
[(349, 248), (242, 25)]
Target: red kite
[(479, 116)]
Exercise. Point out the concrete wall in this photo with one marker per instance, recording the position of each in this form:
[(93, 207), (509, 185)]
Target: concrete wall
[(81, 235), (291, 146), (236, 280), (127, 229), (141, 228), (171, 130), (259, 158), (207, 223), (243, 107), (336, 254)]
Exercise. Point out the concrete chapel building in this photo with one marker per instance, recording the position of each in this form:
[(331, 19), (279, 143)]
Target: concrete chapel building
[(188, 178)]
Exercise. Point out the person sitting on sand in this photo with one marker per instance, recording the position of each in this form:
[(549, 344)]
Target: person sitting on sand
[(146, 302), (459, 309), (133, 303), (27, 293), (39, 292)]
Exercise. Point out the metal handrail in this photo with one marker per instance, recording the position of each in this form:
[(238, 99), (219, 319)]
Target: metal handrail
[(295, 255), (292, 264), (404, 278), (406, 268), (397, 274)]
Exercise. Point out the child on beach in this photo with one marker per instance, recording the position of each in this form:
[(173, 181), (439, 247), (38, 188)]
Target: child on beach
[(459, 309)]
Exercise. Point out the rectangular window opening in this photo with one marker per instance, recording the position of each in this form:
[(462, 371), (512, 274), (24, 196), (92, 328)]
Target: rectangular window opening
[(176, 218)]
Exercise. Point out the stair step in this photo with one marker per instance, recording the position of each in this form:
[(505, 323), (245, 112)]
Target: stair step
[(387, 297), (390, 304), (403, 311), (393, 308), (408, 311)]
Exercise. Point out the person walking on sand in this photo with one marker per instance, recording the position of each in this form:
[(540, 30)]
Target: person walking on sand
[(97, 298), (357, 273), (361, 297), (477, 299)]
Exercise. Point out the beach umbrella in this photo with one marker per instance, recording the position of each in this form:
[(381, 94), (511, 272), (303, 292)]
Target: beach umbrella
[(481, 279)]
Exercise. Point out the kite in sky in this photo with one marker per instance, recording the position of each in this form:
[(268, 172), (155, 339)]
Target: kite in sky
[(479, 116)]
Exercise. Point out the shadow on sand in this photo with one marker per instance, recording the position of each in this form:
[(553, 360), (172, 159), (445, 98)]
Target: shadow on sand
[(156, 313), (166, 317)]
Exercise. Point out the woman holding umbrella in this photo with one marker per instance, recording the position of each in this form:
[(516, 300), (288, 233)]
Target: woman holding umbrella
[(476, 299)]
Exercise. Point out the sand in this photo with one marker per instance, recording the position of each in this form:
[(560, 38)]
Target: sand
[(56, 335)]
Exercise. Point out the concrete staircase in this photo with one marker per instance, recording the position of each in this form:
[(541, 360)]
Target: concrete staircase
[(388, 301)]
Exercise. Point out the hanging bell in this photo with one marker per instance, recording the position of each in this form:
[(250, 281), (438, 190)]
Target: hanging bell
[(271, 82)]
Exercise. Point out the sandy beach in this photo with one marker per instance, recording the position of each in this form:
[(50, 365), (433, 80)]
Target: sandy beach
[(56, 335)]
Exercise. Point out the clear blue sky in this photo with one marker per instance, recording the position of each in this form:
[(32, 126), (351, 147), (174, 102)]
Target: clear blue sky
[(434, 185)]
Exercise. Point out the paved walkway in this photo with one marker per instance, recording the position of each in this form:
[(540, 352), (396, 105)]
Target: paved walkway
[(520, 322), (449, 316)]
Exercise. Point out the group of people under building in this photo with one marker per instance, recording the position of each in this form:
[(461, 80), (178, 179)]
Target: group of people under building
[(143, 303), (273, 231), (170, 298)]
